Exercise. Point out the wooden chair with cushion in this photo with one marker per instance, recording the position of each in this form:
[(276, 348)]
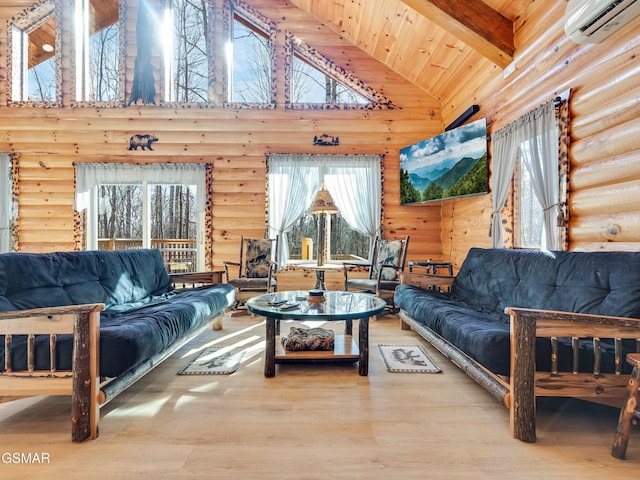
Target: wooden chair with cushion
[(255, 270), (388, 259), (630, 409)]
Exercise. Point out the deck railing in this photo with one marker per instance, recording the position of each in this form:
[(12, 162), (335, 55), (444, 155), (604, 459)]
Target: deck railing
[(179, 255)]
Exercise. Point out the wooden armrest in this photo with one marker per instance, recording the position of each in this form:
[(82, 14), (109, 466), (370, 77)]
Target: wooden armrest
[(83, 321), (236, 264), (570, 324), (44, 320), (197, 277), (354, 267), (424, 280), (389, 265), (528, 324)]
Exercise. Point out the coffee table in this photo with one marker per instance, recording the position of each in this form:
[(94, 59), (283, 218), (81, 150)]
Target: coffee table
[(337, 306)]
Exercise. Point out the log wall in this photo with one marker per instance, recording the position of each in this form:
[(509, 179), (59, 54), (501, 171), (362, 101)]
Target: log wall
[(47, 140), (604, 188), (604, 179)]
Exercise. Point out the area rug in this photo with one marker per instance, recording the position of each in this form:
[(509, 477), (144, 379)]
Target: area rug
[(214, 361), (407, 358)]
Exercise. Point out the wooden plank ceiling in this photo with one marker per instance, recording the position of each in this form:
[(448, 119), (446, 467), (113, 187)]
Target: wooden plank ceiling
[(406, 49)]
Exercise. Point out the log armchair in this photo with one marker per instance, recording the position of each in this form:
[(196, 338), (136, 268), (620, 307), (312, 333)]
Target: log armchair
[(255, 272), (388, 259)]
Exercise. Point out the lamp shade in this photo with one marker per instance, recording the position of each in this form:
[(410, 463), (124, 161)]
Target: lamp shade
[(323, 203)]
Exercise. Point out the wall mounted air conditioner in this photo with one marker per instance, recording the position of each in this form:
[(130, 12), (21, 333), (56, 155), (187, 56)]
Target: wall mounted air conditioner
[(591, 21)]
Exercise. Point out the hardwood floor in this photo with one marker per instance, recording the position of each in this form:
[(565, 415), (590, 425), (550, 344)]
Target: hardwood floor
[(310, 422)]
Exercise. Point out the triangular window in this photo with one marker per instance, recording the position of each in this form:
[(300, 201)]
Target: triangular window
[(316, 81), (310, 85)]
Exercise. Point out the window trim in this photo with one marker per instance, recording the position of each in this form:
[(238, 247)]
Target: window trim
[(91, 176), (6, 217), (233, 8), (296, 46), (24, 23)]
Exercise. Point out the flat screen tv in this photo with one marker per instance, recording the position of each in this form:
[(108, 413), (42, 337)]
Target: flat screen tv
[(452, 164)]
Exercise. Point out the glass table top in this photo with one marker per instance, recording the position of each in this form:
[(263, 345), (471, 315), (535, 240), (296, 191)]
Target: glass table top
[(337, 305)]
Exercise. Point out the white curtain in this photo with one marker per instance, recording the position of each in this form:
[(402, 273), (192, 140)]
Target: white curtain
[(540, 157), (356, 187), (534, 138), (294, 181), (90, 175), (505, 152), (353, 181), (5, 203)]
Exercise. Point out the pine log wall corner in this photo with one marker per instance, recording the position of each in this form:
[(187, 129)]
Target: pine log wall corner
[(604, 180), (605, 169)]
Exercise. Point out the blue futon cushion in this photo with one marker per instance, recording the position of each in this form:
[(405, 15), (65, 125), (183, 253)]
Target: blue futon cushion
[(472, 318), (143, 315)]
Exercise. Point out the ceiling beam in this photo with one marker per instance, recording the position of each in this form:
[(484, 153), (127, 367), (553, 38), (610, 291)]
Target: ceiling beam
[(473, 22)]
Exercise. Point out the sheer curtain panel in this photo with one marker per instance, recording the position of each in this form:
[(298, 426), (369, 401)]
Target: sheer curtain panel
[(534, 138), (294, 181)]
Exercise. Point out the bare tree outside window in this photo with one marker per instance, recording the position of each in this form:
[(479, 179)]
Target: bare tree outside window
[(120, 212), (42, 81), (310, 85), (251, 68), (529, 212), (344, 242), (172, 221), (174, 212), (104, 81), (190, 67)]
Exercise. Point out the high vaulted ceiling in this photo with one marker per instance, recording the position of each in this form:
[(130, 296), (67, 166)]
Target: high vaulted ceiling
[(436, 45)]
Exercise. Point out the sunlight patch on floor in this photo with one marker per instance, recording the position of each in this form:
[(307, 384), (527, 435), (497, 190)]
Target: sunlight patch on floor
[(145, 409)]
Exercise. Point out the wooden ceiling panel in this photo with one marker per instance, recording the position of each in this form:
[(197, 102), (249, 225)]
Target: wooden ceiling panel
[(332, 42), (475, 23), (409, 42)]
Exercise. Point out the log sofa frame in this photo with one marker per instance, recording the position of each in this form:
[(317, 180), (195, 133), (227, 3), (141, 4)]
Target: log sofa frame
[(88, 391), (518, 392)]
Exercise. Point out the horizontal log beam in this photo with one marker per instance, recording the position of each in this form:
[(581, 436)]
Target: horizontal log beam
[(475, 23)]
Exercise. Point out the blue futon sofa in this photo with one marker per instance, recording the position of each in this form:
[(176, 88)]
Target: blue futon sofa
[(522, 323), (143, 318)]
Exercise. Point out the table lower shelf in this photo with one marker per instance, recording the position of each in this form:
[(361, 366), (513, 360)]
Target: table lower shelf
[(345, 349)]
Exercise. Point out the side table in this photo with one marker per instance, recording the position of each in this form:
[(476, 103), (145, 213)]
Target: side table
[(431, 266)]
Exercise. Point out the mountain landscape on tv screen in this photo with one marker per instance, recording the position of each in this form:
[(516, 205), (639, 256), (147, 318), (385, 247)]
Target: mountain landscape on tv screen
[(452, 164)]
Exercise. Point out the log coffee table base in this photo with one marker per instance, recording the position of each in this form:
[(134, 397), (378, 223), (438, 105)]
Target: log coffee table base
[(338, 306), (345, 348)]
